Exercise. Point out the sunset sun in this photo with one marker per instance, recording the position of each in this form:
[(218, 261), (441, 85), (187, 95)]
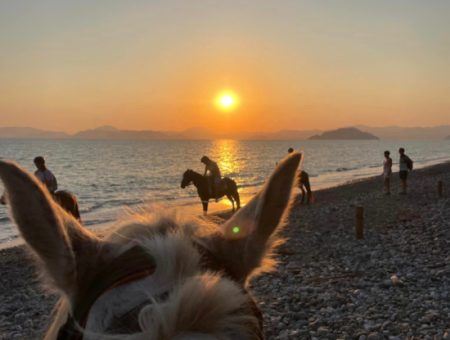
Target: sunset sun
[(226, 101)]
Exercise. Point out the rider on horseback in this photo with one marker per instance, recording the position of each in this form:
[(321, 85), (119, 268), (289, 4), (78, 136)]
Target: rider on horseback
[(215, 174), (45, 175)]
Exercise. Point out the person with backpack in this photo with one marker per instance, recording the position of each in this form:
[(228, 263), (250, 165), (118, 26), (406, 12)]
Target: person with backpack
[(45, 175), (405, 164)]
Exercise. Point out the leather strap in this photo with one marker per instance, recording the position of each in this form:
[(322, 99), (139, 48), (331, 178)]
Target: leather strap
[(132, 265)]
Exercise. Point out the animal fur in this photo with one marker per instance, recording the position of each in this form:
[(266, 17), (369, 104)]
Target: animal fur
[(201, 304)]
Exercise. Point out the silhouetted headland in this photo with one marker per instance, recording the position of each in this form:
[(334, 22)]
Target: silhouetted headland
[(345, 134)]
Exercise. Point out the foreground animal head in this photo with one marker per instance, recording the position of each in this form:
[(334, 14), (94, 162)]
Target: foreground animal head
[(157, 276)]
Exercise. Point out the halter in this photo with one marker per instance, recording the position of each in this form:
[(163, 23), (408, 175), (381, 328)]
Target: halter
[(135, 264)]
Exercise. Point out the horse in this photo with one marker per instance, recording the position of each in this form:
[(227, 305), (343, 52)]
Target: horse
[(203, 188), (303, 182), (65, 199), (158, 275)]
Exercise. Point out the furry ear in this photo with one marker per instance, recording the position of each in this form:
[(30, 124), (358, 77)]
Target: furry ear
[(247, 235), (44, 225)]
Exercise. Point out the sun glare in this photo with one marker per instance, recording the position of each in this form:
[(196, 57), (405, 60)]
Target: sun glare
[(226, 101)]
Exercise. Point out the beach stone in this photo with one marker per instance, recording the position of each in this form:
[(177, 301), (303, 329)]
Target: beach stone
[(397, 282), (374, 336), (321, 331)]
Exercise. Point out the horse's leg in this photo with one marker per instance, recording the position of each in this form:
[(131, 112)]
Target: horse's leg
[(205, 208), (231, 200), (310, 197), (303, 193)]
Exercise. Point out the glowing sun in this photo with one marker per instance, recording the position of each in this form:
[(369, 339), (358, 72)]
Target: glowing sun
[(226, 101)]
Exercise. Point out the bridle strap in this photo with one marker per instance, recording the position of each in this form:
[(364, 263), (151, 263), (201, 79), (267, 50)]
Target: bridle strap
[(136, 264)]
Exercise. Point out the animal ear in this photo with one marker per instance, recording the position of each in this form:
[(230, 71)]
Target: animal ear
[(249, 235), (44, 225)]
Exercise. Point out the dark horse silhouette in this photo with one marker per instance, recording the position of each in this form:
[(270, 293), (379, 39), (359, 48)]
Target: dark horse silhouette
[(303, 182), (203, 189), (65, 199)]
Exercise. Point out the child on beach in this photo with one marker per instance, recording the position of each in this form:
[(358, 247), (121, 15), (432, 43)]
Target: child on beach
[(387, 171)]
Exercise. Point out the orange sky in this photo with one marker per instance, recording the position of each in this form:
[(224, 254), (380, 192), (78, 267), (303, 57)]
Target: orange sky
[(160, 65)]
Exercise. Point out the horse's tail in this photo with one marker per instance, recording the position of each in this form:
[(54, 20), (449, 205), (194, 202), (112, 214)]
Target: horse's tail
[(236, 195), (234, 191)]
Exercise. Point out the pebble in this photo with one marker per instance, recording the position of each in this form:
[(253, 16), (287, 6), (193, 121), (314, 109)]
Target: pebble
[(393, 284)]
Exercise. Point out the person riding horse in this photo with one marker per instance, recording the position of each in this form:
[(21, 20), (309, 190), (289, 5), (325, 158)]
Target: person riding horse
[(45, 175), (214, 171), (65, 199)]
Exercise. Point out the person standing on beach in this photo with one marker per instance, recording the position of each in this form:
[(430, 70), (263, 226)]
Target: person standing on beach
[(45, 175), (387, 171), (405, 164)]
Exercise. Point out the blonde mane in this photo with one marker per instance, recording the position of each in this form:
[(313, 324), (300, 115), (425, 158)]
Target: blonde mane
[(186, 296)]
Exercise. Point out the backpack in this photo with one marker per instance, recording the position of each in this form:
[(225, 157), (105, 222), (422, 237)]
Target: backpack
[(409, 163), (55, 183)]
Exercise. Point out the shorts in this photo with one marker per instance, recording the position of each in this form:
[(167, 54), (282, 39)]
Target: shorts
[(403, 174)]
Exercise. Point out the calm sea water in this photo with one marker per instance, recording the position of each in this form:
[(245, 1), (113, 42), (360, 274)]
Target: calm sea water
[(107, 175)]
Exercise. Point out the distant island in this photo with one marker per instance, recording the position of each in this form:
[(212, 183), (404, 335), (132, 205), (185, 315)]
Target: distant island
[(345, 134), (357, 132)]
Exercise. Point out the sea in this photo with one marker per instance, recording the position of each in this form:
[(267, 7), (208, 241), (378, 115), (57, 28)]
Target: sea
[(109, 176)]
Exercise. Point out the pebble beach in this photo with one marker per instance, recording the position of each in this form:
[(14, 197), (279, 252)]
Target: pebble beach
[(393, 284)]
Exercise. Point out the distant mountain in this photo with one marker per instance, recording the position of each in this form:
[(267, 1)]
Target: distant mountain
[(344, 134), (406, 133), (119, 134), (30, 133), (202, 133), (199, 133), (447, 138), (106, 128)]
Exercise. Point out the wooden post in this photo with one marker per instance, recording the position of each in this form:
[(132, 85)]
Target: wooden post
[(440, 188), (359, 223)]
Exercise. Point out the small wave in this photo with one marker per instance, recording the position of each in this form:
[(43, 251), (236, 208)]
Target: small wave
[(5, 219), (8, 238), (94, 222), (257, 184), (345, 169), (94, 207)]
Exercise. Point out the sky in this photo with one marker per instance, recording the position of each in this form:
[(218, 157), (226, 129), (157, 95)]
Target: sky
[(160, 65)]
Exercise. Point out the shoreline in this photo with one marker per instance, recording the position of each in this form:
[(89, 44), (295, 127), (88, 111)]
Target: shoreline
[(327, 284), (327, 181), (100, 227)]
